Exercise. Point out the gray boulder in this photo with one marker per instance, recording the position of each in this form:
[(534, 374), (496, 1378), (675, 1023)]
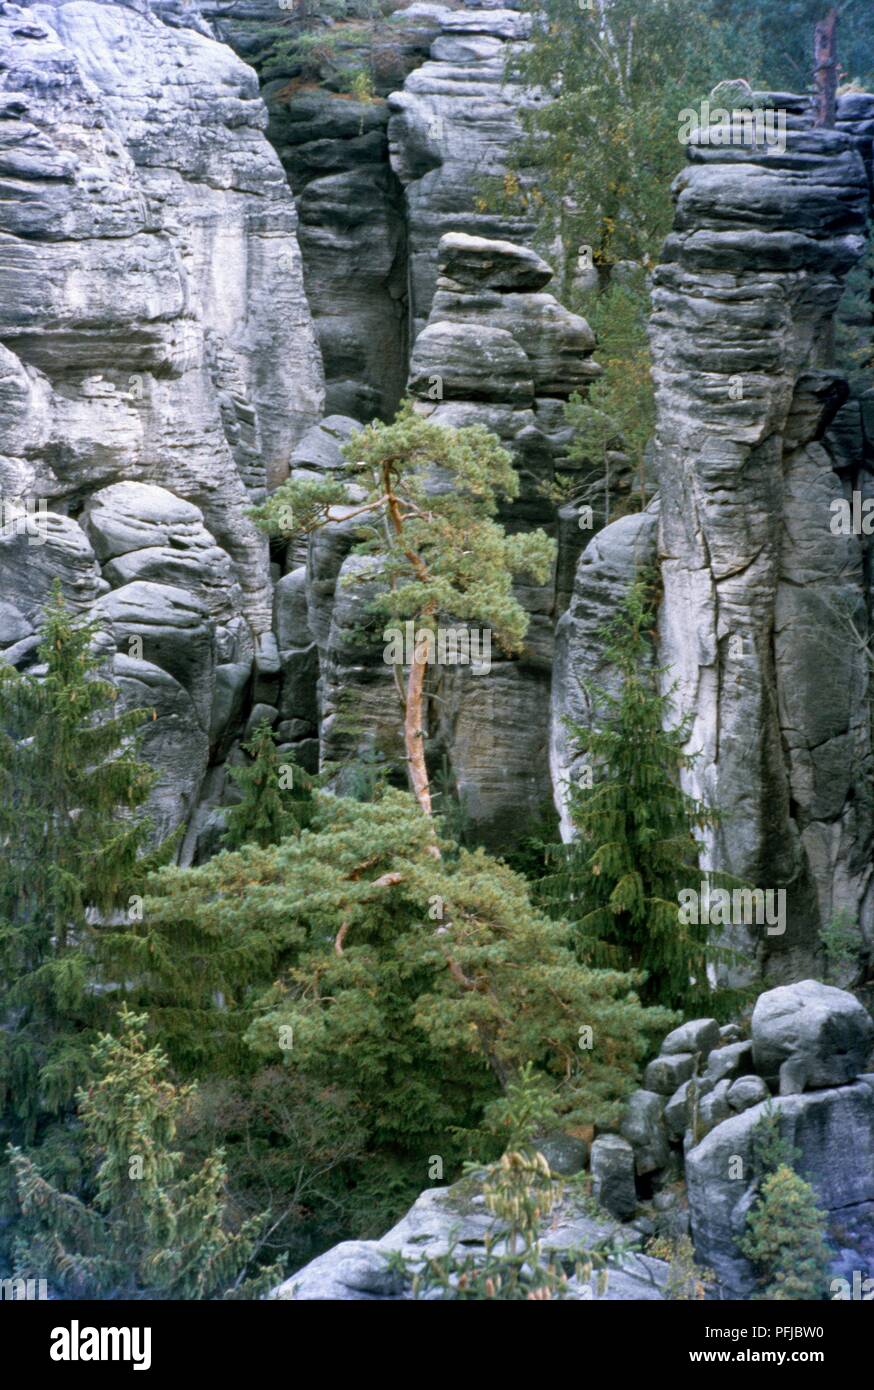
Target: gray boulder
[(644, 1127), (698, 1035), (731, 1061), (612, 1168), (665, 1074), (825, 1031), (358, 1270), (475, 262), (746, 1092), (14, 627), (564, 1154), (713, 1107), (833, 1130)]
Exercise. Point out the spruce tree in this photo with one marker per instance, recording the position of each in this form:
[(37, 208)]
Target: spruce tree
[(70, 783), (151, 1230), (619, 881), (785, 1238), (276, 795)]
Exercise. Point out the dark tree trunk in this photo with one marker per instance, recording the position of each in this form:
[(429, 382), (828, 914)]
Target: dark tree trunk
[(825, 69)]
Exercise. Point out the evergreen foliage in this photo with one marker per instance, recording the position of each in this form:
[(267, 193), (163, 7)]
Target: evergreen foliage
[(618, 411), (779, 40), (604, 150), (520, 1192), (423, 984), (360, 961), (636, 848), (436, 551), (151, 1230), (277, 794), (785, 1238), (70, 781)]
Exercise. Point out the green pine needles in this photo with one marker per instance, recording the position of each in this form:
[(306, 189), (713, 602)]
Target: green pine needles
[(435, 552), (785, 1238)]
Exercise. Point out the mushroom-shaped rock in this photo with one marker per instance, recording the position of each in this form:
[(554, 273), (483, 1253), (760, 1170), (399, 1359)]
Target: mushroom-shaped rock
[(478, 263)]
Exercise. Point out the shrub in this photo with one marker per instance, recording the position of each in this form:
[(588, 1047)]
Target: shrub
[(785, 1238)]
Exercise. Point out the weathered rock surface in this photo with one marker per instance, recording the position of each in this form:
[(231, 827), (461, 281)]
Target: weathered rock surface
[(605, 573), (612, 1167), (824, 1030), (453, 125), (358, 1269), (492, 727), (758, 592), (162, 365), (834, 1131)]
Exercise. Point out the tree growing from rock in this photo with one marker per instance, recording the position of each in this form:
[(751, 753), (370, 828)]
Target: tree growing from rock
[(431, 495), (785, 1238), (277, 797), (151, 1230), (619, 880)]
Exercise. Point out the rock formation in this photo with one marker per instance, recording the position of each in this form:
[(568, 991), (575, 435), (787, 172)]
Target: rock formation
[(360, 1269), (702, 1100), (163, 369), (159, 360), (497, 350), (761, 597), (766, 609)]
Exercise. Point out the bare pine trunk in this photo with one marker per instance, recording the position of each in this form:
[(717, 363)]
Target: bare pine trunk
[(825, 69), (414, 736)]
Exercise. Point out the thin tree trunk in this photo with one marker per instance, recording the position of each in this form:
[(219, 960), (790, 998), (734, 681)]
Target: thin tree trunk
[(825, 69), (414, 736)]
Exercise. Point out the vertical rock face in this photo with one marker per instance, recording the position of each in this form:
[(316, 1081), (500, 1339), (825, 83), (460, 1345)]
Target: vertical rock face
[(380, 178), (497, 350), (453, 126), (605, 573), (158, 358), (353, 241), (761, 598)]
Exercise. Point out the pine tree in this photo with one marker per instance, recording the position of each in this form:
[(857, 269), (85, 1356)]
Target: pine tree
[(619, 880), (424, 984), (437, 551), (785, 1238), (355, 959), (276, 795), (70, 783), (152, 1230)]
